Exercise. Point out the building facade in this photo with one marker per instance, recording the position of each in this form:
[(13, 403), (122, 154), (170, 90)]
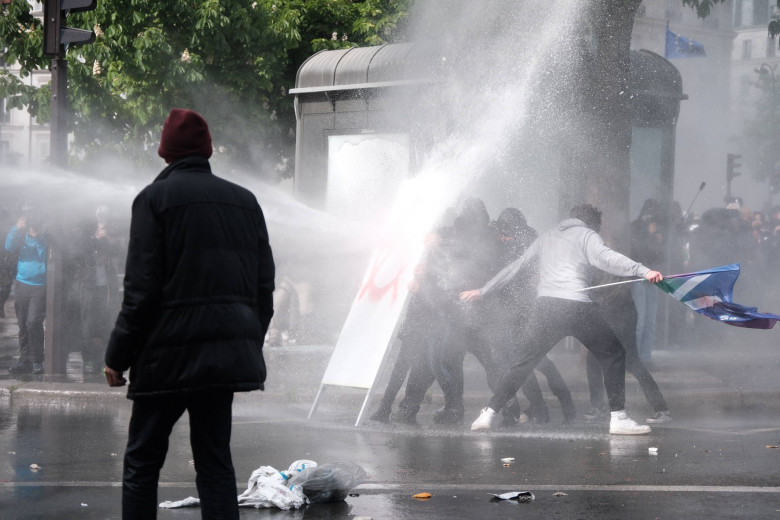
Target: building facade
[(24, 143)]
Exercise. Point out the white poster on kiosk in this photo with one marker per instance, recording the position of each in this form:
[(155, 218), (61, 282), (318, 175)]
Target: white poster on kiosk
[(366, 178)]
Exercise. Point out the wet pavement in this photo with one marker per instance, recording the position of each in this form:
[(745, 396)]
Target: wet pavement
[(705, 467), (717, 459)]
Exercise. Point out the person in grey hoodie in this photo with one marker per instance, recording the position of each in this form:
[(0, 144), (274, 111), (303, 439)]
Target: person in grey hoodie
[(567, 254)]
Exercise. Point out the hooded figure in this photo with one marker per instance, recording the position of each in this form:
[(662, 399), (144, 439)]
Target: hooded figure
[(567, 255)]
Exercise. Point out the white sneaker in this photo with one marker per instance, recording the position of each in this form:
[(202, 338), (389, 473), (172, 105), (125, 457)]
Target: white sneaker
[(485, 420), (660, 418), (622, 424)]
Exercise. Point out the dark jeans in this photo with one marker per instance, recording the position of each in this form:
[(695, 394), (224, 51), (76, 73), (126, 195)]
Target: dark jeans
[(620, 313), (533, 392), (30, 307), (445, 351), (409, 355), (633, 365), (552, 320), (511, 322), (210, 415)]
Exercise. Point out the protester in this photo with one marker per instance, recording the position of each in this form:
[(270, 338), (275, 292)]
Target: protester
[(567, 253), (508, 316), (420, 321), (287, 312), (98, 290), (8, 262), (197, 302), (458, 255), (411, 361), (470, 257), (648, 246), (30, 243)]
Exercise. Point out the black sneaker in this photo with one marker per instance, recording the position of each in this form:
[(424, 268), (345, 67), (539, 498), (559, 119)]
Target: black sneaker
[(594, 414), (20, 368), (660, 418), (37, 368), (381, 415), (405, 419), (447, 416)]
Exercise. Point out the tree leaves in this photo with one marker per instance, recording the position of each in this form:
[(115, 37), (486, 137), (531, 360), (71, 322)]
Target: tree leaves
[(232, 60)]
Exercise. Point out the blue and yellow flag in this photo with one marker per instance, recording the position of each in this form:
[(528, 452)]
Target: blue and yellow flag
[(682, 47)]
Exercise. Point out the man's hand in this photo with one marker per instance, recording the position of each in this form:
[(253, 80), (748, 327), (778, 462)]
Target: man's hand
[(114, 378), (21, 223), (654, 276), (470, 296)]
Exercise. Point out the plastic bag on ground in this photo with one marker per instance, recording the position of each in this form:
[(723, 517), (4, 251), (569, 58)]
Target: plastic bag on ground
[(268, 487), (328, 482)]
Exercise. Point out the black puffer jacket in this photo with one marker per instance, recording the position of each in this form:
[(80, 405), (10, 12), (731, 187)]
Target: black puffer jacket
[(198, 286)]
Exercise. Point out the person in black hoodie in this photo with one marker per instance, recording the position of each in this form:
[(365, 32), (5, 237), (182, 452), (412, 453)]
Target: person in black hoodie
[(468, 254), (197, 301), (508, 316)]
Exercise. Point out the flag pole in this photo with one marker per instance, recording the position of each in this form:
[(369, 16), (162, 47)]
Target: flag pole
[(611, 284), (683, 275)]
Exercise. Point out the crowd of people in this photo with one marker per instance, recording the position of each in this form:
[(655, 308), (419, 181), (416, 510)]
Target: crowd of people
[(90, 255), (464, 254), (447, 318)]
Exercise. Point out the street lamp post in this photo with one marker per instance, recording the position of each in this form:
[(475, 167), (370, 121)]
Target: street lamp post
[(765, 69)]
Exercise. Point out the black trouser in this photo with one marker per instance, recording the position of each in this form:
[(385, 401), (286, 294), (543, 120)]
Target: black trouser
[(635, 366), (30, 307), (619, 311), (450, 370), (533, 392), (511, 323), (5, 292), (445, 349), (409, 354), (210, 415), (552, 320)]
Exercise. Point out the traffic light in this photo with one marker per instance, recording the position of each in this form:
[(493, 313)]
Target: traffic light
[(57, 37), (731, 166)]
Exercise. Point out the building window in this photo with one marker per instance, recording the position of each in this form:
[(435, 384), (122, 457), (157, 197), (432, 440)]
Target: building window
[(747, 49), (751, 13), (5, 115), (761, 12)]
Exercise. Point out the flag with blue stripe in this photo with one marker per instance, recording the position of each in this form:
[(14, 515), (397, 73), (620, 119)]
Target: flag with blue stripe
[(709, 293), (681, 47)]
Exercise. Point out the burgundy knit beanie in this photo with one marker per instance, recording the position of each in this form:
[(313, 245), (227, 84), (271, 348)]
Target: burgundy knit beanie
[(184, 133)]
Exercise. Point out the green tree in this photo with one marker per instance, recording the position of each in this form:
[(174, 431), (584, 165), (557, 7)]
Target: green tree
[(233, 61)]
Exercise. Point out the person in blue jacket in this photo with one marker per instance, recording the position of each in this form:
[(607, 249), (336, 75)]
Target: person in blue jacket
[(26, 240)]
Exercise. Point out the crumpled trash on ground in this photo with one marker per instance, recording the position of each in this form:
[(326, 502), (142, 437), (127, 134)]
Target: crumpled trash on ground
[(328, 482), (302, 483), (520, 496), (175, 504), (267, 487)]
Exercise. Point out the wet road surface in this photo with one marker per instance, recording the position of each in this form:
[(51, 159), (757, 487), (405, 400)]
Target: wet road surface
[(707, 466)]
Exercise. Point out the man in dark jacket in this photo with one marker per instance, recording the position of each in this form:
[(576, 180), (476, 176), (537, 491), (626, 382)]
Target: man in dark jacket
[(197, 302)]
